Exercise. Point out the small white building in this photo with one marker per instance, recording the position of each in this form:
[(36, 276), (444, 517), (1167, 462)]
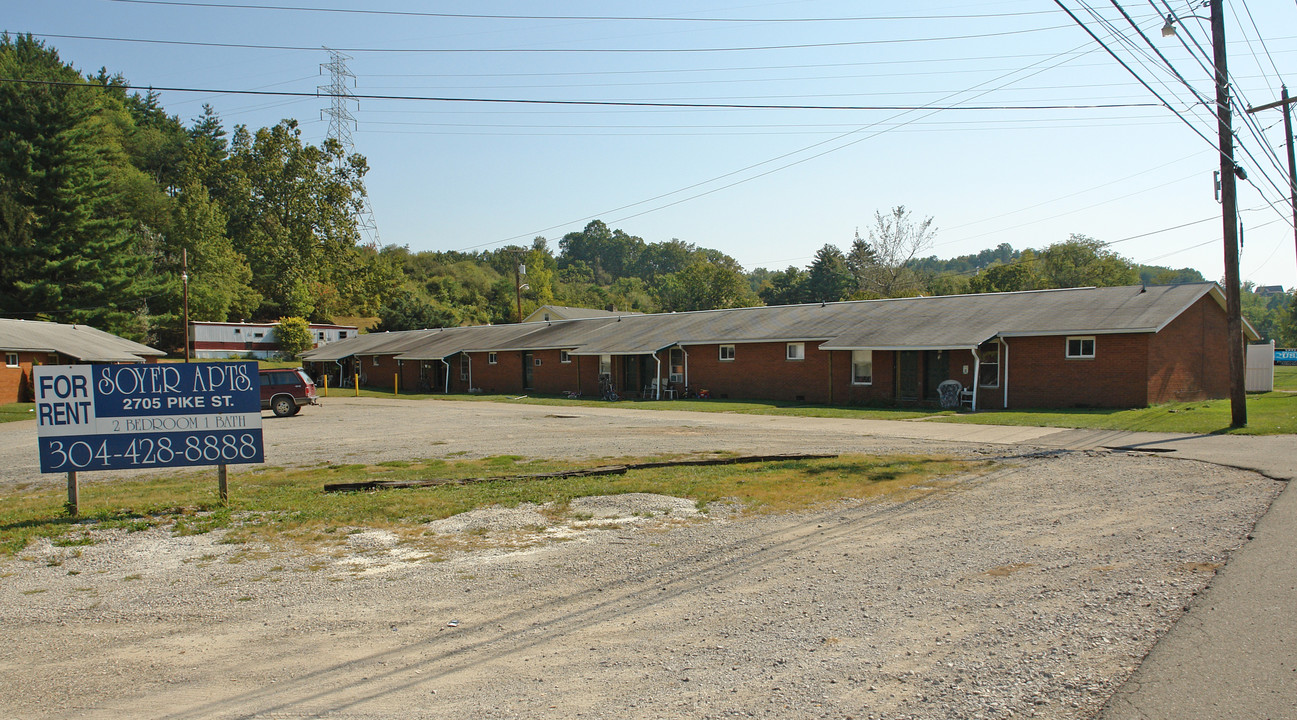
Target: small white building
[(254, 340)]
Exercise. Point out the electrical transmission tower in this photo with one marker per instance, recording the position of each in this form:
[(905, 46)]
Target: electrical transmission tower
[(341, 123)]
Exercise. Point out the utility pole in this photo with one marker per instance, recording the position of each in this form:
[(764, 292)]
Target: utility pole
[(518, 271), (1229, 222), (184, 279), (1286, 103)]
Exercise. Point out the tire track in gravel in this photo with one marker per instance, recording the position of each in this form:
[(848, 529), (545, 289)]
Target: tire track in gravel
[(329, 691)]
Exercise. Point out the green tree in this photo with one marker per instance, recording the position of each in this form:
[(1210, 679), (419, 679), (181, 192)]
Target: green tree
[(829, 279), (1082, 261), (1158, 275), (664, 258), (704, 286), (294, 335), (861, 261), (1010, 277), (65, 249), (1288, 322), (609, 253), (1269, 314), (895, 240), (404, 310), (786, 287), (292, 211)]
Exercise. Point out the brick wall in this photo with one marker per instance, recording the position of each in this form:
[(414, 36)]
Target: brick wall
[(760, 371), (1188, 360), (14, 380), (553, 376), (1040, 374), (378, 371)]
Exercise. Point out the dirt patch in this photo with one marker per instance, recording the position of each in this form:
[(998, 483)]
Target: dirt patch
[(639, 607)]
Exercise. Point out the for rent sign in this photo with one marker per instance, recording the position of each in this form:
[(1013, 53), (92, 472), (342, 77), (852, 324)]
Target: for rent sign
[(112, 417)]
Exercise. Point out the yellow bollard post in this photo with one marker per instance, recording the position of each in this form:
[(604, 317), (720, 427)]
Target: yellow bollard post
[(396, 384), (357, 384), (326, 385)]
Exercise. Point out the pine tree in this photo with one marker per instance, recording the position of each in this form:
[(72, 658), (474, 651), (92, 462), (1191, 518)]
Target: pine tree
[(65, 252)]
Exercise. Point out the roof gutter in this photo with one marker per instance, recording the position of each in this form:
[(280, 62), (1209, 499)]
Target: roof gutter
[(898, 348), (657, 380)]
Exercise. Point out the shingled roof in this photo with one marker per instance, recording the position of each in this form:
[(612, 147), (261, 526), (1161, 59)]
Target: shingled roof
[(80, 342), (922, 323)]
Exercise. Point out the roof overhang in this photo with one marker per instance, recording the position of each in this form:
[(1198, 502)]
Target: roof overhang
[(1079, 331), (900, 348)]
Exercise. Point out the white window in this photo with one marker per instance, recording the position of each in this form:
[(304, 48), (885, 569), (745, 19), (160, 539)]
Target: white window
[(546, 317), (727, 352), (795, 351), (1080, 347), (563, 357), (11, 359), (676, 365), (605, 366), (463, 367), (989, 369), (862, 367), (536, 362), (373, 360), (257, 335), (491, 358), (342, 334)]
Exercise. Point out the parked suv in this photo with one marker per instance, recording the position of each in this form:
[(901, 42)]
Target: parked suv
[(285, 391)]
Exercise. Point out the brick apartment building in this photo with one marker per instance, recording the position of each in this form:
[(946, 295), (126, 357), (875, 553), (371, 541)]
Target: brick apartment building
[(1098, 347)]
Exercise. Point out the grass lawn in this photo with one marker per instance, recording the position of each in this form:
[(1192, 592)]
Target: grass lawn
[(1285, 377), (17, 411), (1273, 413), (288, 506), (1268, 413), (748, 407)]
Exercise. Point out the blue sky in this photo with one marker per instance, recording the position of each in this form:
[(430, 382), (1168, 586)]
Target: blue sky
[(768, 186)]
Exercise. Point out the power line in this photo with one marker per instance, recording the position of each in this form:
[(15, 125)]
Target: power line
[(1206, 62), (597, 103), (618, 51), (1131, 71), (1065, 57), (1260, 39), (646, 18)]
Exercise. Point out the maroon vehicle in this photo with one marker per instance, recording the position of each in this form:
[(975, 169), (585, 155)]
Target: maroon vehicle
[(285, 391)]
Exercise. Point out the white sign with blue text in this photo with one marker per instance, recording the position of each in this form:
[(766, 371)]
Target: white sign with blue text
[(113, 417)]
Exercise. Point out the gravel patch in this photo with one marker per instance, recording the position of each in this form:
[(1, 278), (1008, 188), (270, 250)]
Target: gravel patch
[(1030, 592)]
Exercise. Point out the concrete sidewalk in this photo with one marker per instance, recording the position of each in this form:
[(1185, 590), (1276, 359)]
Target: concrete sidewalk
[(1234, 653)]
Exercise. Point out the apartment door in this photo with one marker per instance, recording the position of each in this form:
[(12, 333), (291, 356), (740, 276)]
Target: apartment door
[(527, 365), (936, 368), (907, 376)]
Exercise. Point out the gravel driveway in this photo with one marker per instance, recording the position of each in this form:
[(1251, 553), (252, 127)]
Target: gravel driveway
[(1033, 591)]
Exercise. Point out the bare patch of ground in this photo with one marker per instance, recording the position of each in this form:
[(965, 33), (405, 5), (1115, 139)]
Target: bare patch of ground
[(1030, 592)]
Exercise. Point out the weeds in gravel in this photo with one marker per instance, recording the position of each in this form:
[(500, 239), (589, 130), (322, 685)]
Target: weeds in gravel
[(279, 506)]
